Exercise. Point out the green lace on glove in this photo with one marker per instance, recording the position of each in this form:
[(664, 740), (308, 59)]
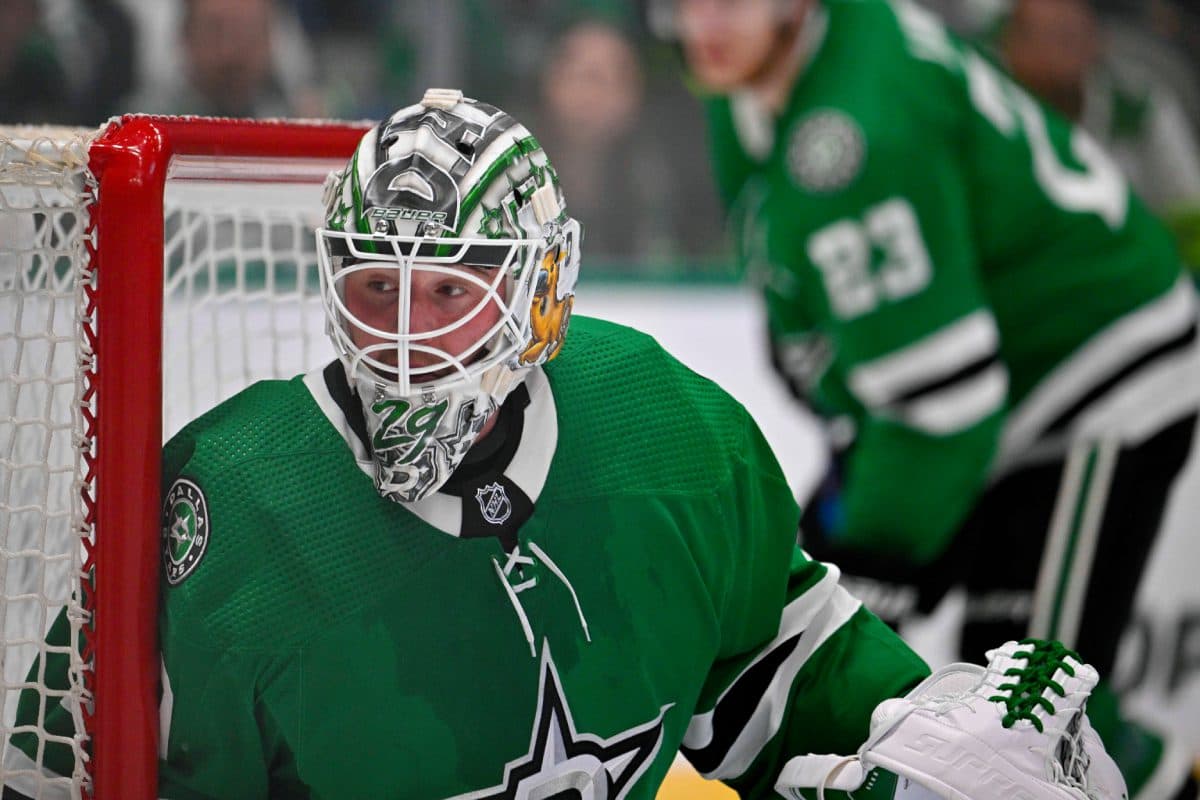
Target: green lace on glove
[(1023, 696)]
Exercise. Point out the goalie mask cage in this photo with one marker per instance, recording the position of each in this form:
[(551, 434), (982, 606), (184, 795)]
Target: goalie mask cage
[(148, 270)]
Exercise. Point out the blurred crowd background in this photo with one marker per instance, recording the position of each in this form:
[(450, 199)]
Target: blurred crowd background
[(609, 102)]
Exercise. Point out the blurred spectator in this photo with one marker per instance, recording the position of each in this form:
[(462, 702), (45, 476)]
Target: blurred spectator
[(613, 156), (241, 58), (591, 93), (33, 87), (1177, 21), (488, 48), (105, 37), (1141, 37), (322, 17), (94, 45), (1058, 50)]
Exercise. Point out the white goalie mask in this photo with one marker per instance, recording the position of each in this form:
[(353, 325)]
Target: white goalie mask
[(448, 270)]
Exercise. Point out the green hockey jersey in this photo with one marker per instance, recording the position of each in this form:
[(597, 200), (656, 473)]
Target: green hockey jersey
[(951, 270), (321, 641)]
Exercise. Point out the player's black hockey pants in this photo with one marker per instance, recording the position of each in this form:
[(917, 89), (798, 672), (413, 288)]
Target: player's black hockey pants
[(1055, 549)]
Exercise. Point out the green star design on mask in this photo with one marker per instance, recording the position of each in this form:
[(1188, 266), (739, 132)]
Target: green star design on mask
[(492, 223), (341, 213)]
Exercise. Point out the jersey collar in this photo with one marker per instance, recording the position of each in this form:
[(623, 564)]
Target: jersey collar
[(528, 468)]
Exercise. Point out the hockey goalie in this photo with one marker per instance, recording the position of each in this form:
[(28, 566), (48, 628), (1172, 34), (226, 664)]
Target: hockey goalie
[(476, 558)]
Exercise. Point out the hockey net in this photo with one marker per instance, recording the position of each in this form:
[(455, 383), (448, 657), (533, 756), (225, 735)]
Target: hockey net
[(148, 271)]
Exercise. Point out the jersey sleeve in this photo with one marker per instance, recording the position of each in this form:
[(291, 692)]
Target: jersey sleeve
[(229, 704), (801, 664), (221, 722), (888, 277), (222, 699), (210, 737)]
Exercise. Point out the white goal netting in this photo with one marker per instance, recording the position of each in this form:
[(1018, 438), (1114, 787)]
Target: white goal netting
[(44, 268), (242, 299), (241, 303)]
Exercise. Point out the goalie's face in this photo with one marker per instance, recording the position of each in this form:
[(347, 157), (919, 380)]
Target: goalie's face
[(418, 325), (452, 313)]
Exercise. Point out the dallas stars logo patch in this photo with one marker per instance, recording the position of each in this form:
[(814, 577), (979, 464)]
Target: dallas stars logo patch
[(565, 763), (826, 151), (184, 530)]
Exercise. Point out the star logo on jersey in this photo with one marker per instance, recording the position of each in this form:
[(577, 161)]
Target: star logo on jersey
[(562, 762), (826, 151), (185, 532), (494, 504)]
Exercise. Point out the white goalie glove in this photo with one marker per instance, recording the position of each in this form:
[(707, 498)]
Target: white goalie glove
[(1015, 729)]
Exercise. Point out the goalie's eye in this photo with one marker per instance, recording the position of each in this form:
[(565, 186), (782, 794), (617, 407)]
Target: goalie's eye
[(452, 289), (371, 280), (371, 292), (382, 285)]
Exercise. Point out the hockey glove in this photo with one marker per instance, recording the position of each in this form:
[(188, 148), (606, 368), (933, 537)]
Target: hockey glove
[(1015, 729)]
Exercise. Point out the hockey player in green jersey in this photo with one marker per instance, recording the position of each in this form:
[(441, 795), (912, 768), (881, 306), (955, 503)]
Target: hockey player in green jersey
[(472, 558), (962, 285)]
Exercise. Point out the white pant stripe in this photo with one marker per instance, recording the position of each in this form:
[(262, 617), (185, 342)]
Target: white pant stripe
[(1071, 545), (1074, 593)]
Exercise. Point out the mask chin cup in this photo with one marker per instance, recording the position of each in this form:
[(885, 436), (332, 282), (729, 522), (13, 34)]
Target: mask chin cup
[(404, 476)]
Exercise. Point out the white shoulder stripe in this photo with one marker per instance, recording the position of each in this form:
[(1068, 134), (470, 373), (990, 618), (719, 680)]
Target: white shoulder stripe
[(945, 351), (815, 616)]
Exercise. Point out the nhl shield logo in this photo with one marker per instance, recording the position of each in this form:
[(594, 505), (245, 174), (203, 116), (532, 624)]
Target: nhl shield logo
[(184, 530), (494, 504)]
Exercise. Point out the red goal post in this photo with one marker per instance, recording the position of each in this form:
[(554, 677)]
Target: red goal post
[(157, 224)]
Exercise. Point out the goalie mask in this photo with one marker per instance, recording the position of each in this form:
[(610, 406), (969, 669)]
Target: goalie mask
[(448, 269)]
